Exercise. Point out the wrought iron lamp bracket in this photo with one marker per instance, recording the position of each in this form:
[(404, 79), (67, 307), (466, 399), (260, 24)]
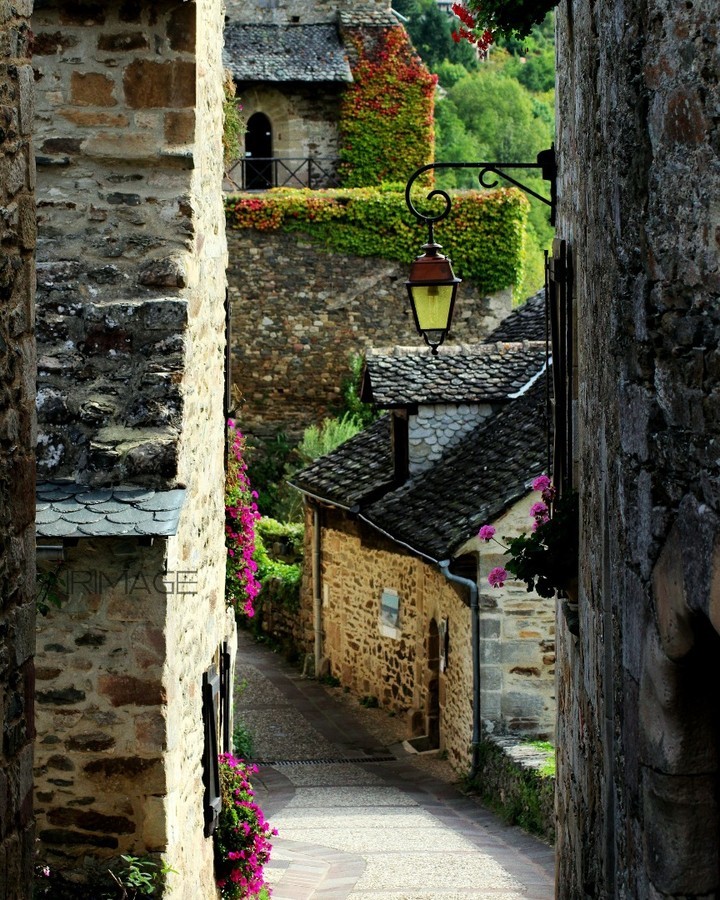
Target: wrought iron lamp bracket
[(488, 175)]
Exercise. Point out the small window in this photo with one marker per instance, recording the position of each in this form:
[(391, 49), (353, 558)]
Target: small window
[(390, 613)]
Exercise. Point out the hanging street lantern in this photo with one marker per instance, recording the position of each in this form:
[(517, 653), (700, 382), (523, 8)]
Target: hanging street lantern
[(432, 287)]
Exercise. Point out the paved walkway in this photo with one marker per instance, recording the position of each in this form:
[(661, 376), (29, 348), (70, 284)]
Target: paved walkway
[(355, 824)]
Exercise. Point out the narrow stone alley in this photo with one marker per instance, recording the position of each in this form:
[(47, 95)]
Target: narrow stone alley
[(358, 817)]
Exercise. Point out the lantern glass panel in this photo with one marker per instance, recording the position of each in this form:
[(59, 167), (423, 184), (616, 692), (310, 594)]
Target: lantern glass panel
[(432, 305)]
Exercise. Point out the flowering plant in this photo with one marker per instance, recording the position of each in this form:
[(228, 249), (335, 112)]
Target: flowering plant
[(241, 514), (482, 19), (547, 559), (242, 837)]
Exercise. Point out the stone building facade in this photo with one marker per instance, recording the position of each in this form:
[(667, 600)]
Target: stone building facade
[(131, 320), (17, 466), (639, 733)]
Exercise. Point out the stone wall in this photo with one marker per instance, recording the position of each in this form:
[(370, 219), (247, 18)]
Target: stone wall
[(133, 261), (517, 641), (517, 682), (17, 467), (639, 161), (102, 703), (299, 313), (304, 124), (114, 141)]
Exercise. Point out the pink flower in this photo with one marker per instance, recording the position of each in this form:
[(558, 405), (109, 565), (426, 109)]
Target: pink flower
[(497, 577), (486, 532), (541, 483), (538, 510)]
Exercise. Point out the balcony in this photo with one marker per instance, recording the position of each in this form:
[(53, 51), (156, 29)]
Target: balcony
[(260, 174)]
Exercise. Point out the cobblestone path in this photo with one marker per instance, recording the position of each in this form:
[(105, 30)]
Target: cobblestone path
[(356, 822)]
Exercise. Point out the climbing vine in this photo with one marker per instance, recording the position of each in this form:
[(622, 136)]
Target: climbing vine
[(484, 234), (386, 114)]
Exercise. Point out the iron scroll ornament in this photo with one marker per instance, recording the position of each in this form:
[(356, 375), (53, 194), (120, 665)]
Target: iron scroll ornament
[(546, 163)]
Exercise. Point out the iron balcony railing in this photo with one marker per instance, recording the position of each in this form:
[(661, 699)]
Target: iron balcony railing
[(259, 174)]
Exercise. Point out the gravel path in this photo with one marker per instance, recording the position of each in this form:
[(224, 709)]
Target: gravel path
[(359, 818)]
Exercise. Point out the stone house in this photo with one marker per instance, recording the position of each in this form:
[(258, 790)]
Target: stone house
[(392, 518), (130, 404), (290, 63)]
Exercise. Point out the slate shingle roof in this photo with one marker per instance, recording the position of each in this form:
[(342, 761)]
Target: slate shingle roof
[(436, 512), (361, 467), (285, 53), (65, 509), (525, 323), (483, 373)]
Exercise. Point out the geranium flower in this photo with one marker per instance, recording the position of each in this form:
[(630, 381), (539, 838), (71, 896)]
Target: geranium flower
[(497, 577), (486, 533)]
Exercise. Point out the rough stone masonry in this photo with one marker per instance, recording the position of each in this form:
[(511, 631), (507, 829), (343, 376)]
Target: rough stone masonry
[(17, 466), (639, 730)]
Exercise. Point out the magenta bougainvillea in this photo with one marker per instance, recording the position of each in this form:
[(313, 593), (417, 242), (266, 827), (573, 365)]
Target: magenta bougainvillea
[(241, 514), (386, 115), (242, 837)]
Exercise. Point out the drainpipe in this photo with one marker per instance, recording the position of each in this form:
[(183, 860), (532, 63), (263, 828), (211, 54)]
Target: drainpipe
[(475, 619), (317, 596)]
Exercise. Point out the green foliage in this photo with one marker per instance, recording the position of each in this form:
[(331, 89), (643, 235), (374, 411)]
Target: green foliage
[(141, 877), (386, 113), (279, 580), (233, 122), (510, 18), (485, 235), (268, 462), (48, 589), (430, 30), (242, 740), (547, 559), (362, 413), (520, 796), (319, 440), (369, 702)]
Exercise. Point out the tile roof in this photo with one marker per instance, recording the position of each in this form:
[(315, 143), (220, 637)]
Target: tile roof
[(525, 323), (436, 512), (481, 373), (68, 510), (492, 468), (285, 53), (360, 468)]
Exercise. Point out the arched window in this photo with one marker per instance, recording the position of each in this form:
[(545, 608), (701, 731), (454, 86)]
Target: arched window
[(258, 153)]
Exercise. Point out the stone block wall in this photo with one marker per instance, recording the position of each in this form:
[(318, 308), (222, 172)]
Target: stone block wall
[(17, 465), (639, 162), (517, 641), (299, 313), (304, 124), (102, 703), (133, 262), (517, 683), (116, 156)]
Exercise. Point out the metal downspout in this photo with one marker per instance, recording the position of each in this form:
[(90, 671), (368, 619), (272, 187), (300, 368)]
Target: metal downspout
[(475, 619), (317, 596)]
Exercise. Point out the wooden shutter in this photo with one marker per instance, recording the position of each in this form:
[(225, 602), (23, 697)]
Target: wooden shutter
[(560, 314), (211, 771), (225, 697)]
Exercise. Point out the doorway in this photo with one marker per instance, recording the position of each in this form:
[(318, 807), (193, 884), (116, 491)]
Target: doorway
[(432, 708), (258, 153)]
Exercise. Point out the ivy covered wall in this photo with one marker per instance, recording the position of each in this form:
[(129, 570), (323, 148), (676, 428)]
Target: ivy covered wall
[(484, 235), (316, 277), (386, 114)]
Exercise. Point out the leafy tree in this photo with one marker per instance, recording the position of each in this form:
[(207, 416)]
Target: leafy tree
[(430, 30)]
